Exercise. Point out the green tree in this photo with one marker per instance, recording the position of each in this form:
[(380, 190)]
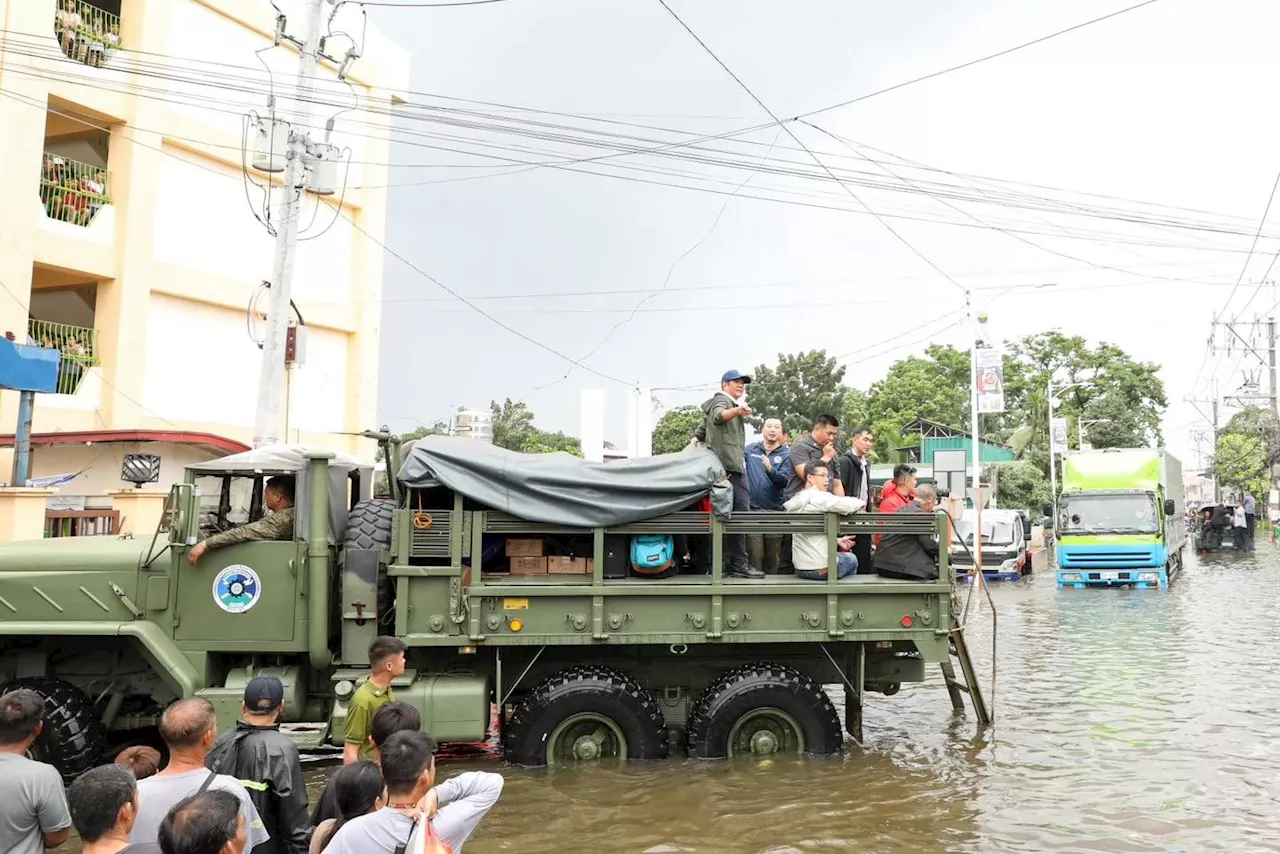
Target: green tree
[(513, 429), (934, 386), (1021, 486), (674, 429), (1245, 452), (799, 388), (1103, 384)]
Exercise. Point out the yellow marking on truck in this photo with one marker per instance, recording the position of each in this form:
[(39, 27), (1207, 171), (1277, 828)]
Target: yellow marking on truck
[(515, 604)]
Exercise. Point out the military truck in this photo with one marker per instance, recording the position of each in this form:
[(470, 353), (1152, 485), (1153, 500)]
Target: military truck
[(588, 663)]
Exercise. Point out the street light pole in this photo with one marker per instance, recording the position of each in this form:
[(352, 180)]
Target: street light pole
[(1053, 457)]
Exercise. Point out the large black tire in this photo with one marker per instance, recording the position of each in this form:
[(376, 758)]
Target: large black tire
[(369, 527), (782, 699), (616, 702), (74, 738)]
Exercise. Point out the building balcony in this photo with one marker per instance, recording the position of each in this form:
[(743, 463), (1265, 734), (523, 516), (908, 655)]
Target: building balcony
[(79, 348), (88, 32), (72, 191)]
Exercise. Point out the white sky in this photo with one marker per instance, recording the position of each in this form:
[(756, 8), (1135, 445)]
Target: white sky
[(1170, 104)]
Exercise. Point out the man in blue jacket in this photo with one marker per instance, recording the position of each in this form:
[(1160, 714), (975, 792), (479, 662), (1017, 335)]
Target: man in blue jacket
[(768, 464)]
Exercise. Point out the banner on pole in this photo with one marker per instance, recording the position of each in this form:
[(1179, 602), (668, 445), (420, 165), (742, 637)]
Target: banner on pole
[(1058, 436), (989, 380)]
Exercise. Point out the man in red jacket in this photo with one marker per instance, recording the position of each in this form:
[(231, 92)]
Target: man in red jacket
[(899, 492)]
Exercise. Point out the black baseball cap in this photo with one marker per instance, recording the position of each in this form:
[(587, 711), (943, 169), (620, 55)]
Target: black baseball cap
[(263, 694)]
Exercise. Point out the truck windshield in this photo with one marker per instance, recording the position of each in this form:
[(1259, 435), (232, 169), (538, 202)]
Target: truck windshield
[(994, 533), (1093, 513)]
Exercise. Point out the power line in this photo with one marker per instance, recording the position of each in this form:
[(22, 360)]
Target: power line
[(385, 248), (1262, 222), (671, 271), (668, 148), (421, 5), (786, 127), (974, 62)]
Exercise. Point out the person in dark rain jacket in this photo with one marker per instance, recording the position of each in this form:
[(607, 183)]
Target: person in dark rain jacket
[(266, 761)]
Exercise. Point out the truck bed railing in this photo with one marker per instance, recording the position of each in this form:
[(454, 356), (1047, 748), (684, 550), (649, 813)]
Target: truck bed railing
[(430, 532)]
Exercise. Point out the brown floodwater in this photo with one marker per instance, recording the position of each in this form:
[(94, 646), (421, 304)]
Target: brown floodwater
[(1127, 721)]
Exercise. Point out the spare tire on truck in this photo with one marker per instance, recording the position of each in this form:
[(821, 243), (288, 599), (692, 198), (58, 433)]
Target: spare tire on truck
[(74, 738), (369, 527)]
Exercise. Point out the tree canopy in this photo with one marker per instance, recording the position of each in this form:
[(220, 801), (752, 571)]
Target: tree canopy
[(1245, 452), (796, 390), (674, 429), (1118, 400), (514, 430)]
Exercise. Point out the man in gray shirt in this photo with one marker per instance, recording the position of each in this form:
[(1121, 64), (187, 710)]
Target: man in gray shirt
[(189, 728), (409, 770), (33, 805)]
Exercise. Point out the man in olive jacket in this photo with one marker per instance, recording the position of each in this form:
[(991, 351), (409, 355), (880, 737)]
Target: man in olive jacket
[(724, 431), (910, 556)]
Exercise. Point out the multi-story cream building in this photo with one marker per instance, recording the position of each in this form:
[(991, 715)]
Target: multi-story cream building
[(130, 238)]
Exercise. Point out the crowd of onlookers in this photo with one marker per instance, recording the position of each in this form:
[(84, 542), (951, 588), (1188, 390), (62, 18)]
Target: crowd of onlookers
[(86, 33), (70, 191), (244, 790)]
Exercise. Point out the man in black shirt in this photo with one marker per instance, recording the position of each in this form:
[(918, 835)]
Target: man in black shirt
[(855, 476), (820, 444)]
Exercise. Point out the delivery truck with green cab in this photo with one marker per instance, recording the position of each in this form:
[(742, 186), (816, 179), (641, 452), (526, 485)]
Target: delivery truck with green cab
[(1120, 519)]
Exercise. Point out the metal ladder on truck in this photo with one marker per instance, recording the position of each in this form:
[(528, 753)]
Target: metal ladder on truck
[(984, 712)]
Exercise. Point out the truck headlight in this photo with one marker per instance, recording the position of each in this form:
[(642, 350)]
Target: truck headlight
[(1070, 576), (1148, 576), (1009, 565)]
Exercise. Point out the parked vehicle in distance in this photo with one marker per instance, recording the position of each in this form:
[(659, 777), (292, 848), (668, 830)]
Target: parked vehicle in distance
[(1120, 518), (1003, 544)]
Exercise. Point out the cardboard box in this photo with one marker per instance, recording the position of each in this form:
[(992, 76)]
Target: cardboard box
[(528, 566), (558, 565), (525, 548)]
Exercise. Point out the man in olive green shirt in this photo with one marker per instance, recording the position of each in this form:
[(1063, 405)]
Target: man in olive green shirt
[(278, 525), (724, 431), (386, 662)]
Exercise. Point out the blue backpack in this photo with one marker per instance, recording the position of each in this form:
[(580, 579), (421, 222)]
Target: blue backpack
[(652, 554)]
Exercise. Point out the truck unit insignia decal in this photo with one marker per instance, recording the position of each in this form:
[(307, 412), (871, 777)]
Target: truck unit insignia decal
[(236, 589)]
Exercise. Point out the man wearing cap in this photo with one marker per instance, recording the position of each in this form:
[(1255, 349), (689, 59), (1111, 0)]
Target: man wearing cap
[(724, 431), (267, 763)]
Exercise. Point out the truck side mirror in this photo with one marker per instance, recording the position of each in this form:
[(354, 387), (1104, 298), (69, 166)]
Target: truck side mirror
[(1046, 508), (1168, 507)]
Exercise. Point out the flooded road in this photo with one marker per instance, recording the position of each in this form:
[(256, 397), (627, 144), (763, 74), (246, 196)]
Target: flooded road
[(1127, 721)]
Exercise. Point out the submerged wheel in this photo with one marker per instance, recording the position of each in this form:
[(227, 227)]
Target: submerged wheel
[(369, 527), (583, 714), (74, 738), (763, 709)]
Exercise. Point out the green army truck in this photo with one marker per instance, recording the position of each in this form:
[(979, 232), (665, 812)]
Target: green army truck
[(589, 662)]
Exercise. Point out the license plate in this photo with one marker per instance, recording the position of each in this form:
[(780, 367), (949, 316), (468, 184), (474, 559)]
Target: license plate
[(1110, 576)]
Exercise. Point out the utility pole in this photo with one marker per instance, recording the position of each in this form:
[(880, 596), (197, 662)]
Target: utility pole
[(1213, 421), (271, 380)]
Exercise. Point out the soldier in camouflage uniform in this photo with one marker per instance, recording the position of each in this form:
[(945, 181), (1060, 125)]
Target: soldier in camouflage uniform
[(278, 496)]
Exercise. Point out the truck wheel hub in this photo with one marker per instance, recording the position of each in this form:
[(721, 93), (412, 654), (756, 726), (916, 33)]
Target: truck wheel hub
[(764, 742), (586, 748)]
